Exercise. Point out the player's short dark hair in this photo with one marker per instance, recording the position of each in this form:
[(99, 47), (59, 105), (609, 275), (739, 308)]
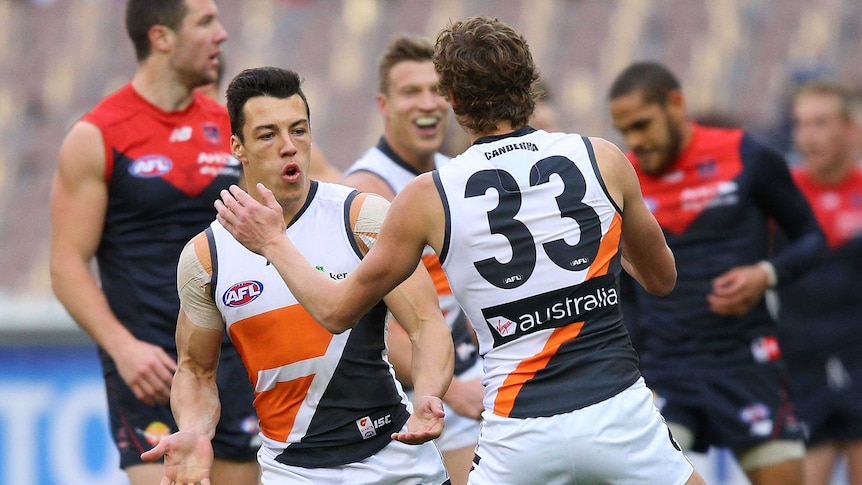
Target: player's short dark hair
[(487, 67), (654, 81), (401, 48), (142, 15), (261, 81)]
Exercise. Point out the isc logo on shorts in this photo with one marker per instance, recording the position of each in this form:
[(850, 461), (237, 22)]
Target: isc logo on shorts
[(368, 427)]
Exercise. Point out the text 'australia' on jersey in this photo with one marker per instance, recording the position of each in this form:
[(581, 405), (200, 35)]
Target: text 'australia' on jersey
[(532, 252)]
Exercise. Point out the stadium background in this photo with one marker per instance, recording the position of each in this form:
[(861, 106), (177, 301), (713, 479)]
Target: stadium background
[(737, 60)]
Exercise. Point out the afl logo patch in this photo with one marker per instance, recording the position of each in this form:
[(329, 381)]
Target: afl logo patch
[(242, 293), (150, 166)]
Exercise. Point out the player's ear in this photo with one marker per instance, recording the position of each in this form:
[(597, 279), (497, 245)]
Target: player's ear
[(382, 103), (451, 99), (161, 38), (237, 148), (676, 101)]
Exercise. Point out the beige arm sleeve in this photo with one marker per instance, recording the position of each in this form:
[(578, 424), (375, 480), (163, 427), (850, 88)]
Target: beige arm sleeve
[(193, 282), (370, 218)]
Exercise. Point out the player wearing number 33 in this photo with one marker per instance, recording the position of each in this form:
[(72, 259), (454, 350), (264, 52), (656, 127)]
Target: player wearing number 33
[(532, 229)]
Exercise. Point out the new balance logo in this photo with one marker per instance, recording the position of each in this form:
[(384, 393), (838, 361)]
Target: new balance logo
[(182, 133)]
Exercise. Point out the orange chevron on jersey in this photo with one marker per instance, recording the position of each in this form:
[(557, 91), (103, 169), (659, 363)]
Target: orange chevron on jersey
[(527, 369), (608, 248), (281, 405), (432, 264), (291, 336)]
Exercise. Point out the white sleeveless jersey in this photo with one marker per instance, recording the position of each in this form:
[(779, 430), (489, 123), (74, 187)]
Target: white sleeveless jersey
[(532, 251), (326, 399), (383, 162)]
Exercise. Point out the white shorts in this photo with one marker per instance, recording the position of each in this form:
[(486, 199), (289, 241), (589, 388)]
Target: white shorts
[(396, 464), (622, 440)]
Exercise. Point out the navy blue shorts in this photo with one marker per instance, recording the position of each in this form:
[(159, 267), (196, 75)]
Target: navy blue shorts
[(736, 408), (827, 391), (137, 427)]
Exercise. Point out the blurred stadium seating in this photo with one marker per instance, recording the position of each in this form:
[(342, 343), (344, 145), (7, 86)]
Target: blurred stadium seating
[(59, 57)]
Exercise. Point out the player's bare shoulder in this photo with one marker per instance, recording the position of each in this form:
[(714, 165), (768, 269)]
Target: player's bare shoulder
[(82, 151), (419, 207), (615, 169), (368, 181), (367, 212)]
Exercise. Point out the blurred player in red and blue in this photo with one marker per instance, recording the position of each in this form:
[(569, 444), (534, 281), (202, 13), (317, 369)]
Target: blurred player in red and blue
[(709, 350), (135, 180), (820, 313)]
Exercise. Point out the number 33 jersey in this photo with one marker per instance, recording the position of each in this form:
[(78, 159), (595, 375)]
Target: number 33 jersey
[(532, 252)]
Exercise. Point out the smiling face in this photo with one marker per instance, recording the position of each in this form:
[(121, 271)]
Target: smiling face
[(196, 50), (415, 115), (276, 149), (654, 133)]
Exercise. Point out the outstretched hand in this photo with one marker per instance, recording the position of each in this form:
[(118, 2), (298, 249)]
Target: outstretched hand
[(426, 422), (188, 458), (253, 224)]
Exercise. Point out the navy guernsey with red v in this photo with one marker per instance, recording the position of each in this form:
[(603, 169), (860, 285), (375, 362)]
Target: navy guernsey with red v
[(715, 205), (820, 311), (163, 170)]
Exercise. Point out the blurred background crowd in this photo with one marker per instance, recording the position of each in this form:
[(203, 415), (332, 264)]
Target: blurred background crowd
[(738, 61)]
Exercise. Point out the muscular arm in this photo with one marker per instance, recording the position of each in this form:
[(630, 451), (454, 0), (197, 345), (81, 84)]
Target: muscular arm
[(79, 200), (646, 255), (194, 397), (415, 305), (397, 340), (464, 397)]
